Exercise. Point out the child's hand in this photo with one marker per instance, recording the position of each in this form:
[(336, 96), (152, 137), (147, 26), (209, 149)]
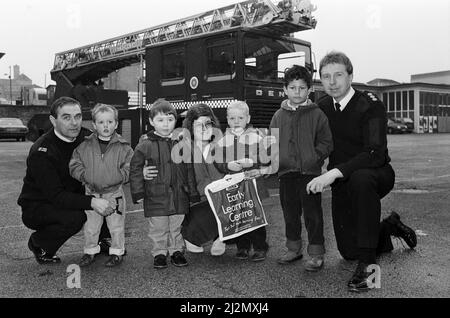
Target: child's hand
[(245, 163), (255, 173), (234, 166)]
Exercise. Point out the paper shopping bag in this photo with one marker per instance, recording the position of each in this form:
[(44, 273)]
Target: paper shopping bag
[(236, 205)]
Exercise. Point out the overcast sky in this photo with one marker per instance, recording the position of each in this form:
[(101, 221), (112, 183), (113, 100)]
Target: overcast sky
[(384, 38)]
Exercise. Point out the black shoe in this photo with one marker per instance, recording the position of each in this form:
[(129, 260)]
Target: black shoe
[(258, 256), (401, 230), (178, 259), (160, 261), (359, 281), (42, 257), (242, 254), (114, 260), (86, 260)]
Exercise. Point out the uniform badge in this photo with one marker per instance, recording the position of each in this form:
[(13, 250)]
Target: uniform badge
[(42, 149)]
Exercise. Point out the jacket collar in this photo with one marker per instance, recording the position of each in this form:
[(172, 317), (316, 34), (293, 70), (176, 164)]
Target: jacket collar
[(307, 105), (115, 138), (155, 137)]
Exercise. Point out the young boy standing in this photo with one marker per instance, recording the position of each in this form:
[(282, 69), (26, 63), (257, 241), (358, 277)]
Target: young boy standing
[(102, 164), (241, 148), (305, 141), (166, 197)]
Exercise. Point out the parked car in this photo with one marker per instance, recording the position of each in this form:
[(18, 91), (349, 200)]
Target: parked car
[(406, 121), (396, 128), (12, 128)]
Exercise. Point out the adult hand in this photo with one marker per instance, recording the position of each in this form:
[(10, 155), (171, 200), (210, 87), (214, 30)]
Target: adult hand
[(234, 166), (318, 184), (99, 205), (150, 173), (109, 211)]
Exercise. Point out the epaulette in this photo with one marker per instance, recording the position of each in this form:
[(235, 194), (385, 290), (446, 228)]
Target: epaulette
[(371, 97)]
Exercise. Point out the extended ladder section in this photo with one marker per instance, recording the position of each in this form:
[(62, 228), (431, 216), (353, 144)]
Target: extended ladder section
[(286, 17)]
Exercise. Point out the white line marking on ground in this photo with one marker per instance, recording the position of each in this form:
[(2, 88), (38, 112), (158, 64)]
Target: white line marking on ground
[(23, 226), (423, 179)]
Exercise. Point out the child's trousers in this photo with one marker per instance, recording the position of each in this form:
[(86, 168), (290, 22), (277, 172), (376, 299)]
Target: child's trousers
[(295, 200), (115, 222), (255, 238), (165, 234)]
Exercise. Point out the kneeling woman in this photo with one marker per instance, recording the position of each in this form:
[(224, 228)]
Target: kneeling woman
[(201, 131)]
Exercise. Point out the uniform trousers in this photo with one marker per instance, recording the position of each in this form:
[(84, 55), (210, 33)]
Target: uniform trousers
[(53, 226), (356, 210)]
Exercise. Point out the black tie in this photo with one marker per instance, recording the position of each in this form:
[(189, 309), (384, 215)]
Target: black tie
[(337, 108)]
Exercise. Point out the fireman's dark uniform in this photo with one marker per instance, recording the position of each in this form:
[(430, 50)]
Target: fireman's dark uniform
[(361, 154)]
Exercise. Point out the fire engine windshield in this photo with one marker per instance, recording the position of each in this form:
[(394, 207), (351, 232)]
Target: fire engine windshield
[(267, 58)]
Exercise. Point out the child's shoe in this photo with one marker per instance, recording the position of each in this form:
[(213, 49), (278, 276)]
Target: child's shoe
[(193, 248), (86, 260), (178, 259), (114, 260), (289, 257), (242, 254), (160, 261), (258, 256), (218, 248), (315, 263)]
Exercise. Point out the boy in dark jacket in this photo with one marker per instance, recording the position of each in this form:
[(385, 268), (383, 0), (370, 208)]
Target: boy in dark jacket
[(304, 143), (166, 197)]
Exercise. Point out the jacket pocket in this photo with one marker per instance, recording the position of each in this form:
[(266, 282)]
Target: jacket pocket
[(156, 194), (311, 161)]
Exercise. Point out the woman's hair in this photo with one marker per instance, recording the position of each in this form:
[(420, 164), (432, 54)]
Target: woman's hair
[(197, 111)]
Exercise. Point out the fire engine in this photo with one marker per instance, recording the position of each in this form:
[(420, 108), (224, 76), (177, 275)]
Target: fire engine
[(237, 52)]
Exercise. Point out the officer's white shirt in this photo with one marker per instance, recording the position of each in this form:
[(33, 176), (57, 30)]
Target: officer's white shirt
[(346, 99)]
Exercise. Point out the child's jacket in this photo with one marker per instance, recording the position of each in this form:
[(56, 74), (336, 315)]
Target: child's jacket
[(102, 173), (305, 139), (169, 192), (248, 145)]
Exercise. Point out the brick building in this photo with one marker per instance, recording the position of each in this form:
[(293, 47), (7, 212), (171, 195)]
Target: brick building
[(14, 87)]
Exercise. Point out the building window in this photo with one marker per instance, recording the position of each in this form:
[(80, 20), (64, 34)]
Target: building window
[(221, 61), (385, 100), (173, 64), (391, 101), (411, 100), (404, 100), (398, 101)]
